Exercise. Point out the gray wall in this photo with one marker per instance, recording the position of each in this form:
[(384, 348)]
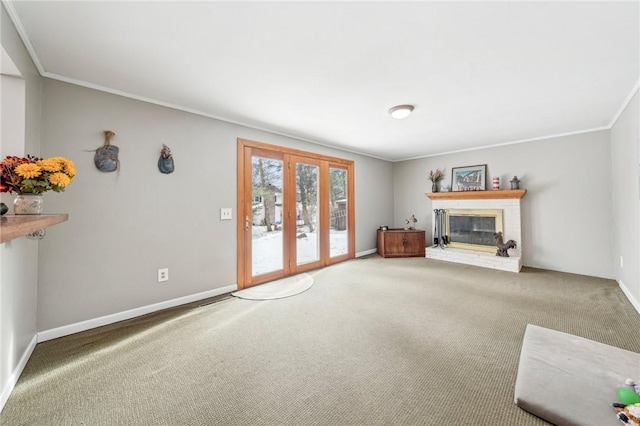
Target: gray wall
[(18, 258), (566, 213), (124, 226), (626, 193)]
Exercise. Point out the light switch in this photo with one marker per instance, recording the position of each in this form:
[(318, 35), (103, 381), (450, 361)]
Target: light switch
[(225, 214)]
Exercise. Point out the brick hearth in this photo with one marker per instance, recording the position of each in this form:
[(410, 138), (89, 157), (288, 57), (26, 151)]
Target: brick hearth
[(508, 202)]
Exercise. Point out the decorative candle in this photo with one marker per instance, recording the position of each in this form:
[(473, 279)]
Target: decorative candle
[(496, 183)]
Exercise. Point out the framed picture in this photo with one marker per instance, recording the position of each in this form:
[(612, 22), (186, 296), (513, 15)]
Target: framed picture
[(469, 178)]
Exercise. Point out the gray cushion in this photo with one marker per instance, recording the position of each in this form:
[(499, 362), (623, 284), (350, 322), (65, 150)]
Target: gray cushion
[(569, 380)]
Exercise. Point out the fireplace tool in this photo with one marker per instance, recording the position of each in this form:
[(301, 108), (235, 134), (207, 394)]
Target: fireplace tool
[(440, 238), (436, 228), (443, 230)]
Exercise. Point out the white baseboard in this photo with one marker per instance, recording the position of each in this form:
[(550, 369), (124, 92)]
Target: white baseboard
[(627, 293), (366, 252), (15, 375), (66, 330)]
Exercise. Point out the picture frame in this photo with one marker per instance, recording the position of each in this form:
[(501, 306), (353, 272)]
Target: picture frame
[(469, 178)]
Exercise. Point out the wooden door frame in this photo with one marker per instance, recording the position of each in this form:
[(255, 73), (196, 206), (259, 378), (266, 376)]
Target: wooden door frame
[(243, 264), (351, 217), (292, 198)]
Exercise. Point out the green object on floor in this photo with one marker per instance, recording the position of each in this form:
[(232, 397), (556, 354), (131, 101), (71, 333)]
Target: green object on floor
[(627, 396)]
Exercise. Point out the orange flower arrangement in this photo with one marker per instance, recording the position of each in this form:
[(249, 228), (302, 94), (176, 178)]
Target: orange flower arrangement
[(33, 175)]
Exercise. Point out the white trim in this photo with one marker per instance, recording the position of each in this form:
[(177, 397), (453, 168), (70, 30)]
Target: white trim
[(66, 330), (36, 60), (197, 112), (557, 135), (625, 104), (8, 5), (15, 375), (627, 293), (366, 252)]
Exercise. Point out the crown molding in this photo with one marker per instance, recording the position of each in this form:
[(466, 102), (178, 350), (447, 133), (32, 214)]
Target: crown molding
[(117, 92), (625, 104), (8, 6), (556, 135)]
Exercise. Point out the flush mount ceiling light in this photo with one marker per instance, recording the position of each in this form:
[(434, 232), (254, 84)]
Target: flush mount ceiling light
[(401, 111)]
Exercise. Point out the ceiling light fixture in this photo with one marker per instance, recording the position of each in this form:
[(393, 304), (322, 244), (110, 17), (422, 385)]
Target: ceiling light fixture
[(401, 111)]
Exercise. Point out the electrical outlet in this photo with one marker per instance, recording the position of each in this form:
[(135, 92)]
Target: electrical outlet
[(163, 275), (225, 214), (621, 262)]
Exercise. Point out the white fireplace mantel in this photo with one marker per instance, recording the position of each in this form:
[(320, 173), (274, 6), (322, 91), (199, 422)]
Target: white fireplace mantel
[(506, 200)]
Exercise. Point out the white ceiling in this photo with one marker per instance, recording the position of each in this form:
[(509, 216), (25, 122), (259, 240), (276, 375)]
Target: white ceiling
[(478, 73)]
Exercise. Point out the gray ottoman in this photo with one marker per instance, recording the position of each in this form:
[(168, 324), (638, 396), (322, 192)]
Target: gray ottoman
[(569, 380)]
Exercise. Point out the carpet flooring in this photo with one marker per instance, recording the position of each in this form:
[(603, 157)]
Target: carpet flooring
[(374, 342)]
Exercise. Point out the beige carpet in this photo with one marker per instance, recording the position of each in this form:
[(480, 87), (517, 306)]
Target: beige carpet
[(374, 341), (278, 289)]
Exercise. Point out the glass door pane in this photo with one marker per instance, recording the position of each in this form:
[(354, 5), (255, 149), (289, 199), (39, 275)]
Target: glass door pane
[(267, 245), (295, 212), (307, 218), (338, 223)]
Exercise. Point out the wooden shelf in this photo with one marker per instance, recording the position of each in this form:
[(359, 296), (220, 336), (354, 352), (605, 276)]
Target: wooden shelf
[(14, 226), (477, 195)]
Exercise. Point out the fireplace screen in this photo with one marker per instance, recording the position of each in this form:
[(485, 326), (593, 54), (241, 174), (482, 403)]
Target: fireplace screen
[(473, 229)]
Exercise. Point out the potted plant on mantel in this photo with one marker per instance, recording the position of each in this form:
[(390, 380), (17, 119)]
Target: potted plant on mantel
[(435, 177), (31, 176)]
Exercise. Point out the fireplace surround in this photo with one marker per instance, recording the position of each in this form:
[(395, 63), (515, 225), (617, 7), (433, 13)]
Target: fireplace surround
[(506, 202)]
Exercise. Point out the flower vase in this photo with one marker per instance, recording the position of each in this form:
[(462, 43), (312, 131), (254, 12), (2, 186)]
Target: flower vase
[(28, 204), (434, 186)]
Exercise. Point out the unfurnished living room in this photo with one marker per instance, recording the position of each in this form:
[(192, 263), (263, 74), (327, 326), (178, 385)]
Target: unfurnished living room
[(320, 213)]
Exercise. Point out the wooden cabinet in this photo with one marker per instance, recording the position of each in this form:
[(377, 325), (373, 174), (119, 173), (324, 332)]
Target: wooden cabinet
[(401, 243)]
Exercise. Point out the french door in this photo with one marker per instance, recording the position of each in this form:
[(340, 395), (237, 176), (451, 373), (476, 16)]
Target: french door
[(295, 212)]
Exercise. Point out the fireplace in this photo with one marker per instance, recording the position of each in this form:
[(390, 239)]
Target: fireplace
[(473, 229), (477, 215)]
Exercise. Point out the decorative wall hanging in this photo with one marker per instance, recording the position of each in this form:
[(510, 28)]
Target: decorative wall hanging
[(165, 162), (470, 178), (106, 158)]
